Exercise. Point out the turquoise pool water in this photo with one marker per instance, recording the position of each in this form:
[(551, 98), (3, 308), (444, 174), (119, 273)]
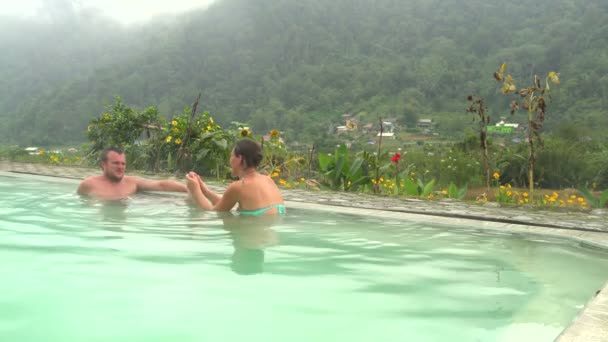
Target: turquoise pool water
[(153, 269)]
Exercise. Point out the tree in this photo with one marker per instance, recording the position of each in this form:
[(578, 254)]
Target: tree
[(478, 107), (535, 99)]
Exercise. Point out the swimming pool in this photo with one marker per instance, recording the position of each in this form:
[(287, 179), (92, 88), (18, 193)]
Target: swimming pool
[(153, 269)]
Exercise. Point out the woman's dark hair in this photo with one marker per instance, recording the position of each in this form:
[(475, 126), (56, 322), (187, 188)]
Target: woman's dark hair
[(250, 151)]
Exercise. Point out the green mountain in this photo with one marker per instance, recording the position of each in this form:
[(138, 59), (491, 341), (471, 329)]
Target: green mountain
[(298, 65)]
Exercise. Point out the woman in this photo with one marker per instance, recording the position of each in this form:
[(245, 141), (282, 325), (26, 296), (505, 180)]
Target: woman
[(255, 194)]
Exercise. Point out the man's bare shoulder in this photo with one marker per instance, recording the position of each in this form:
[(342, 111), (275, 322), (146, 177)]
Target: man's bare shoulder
[(87, 184), (132, 179), (91, 179)]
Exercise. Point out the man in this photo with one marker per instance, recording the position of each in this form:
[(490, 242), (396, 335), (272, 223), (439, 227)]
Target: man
[(114, 185)]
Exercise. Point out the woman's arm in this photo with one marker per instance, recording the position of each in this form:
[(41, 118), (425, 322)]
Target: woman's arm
[(194, 188), (222, 203), (211, 196)]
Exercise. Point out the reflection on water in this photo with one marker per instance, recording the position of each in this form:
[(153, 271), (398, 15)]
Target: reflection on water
[(250, 236)]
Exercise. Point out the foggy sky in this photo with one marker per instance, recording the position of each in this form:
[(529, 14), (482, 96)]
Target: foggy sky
[(125, 11)]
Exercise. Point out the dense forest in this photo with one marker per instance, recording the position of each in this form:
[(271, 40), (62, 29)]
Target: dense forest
[(298, 65)]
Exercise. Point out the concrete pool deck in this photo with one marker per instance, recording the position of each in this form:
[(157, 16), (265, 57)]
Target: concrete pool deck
[(589, 229)]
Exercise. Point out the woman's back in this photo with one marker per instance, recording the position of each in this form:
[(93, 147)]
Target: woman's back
[(257, 192)]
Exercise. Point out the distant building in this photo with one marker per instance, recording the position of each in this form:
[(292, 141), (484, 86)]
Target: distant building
[(503, 127), (388, 126), (352, 124), (31, 150), (424, 123), (389, 135), (503, 123), (341, 129)]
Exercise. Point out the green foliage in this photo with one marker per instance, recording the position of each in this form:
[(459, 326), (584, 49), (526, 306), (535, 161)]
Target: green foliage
[(455, 192), (596, 202), (202, 144), (340, 172), (504, 195), (418, 187), (119, 126)]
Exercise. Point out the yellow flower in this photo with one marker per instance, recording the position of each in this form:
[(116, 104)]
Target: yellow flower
[(302, 179), (208, 128), (509, 186), (502, 187), (40, 152), (210, 120), (573, 197), (274, 133), (174, 123), (245, 133), (496, 175), (169, 138), (525, 194), (89, 128), (178, 141), (580, 199), (274, 175), (509, 193), (175, 130), (445, 192), (106, 116)]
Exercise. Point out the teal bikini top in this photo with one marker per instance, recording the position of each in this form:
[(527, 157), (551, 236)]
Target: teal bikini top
[(259, 212)]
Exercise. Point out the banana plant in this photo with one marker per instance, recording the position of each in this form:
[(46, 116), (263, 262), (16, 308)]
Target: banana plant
[(455, 192), (339, 171), (599, 202), (418, 187)]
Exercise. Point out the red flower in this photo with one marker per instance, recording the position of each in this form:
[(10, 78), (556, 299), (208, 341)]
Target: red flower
[(396, 157)]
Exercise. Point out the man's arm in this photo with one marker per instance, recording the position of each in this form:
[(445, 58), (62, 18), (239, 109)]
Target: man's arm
[(159, 185)]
